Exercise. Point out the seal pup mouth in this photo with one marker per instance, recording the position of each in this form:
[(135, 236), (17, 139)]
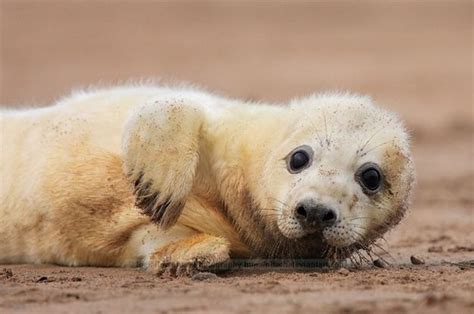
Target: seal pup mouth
[(344, 239)]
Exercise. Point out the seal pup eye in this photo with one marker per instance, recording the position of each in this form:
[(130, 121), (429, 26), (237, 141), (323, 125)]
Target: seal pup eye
[(370, 178), (299, 159)]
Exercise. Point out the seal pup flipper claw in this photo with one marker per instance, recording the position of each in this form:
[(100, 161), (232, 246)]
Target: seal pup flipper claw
[(190, 255), (161, 153)]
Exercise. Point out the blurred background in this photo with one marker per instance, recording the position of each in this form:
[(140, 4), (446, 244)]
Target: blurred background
[(414, 57)]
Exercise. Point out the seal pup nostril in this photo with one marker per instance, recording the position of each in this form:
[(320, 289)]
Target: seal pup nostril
[(328, 216), (306, 212), (301, 211)]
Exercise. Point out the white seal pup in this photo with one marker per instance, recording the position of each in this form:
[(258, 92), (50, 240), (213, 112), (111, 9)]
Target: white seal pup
[(180, 178)]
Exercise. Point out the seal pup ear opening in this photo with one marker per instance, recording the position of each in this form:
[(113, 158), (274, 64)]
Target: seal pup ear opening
[(161, 153)]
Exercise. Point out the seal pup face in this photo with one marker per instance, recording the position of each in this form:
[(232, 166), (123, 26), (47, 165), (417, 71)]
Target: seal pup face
[(342, 172)]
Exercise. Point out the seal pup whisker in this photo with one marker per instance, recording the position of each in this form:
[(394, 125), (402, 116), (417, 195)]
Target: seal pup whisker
[(371, 137), (364, 153)]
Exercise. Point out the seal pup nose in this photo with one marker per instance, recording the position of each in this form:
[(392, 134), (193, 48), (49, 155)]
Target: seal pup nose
[(311, 214)]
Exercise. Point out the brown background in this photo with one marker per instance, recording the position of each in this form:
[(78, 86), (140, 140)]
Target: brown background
[(412, 57)]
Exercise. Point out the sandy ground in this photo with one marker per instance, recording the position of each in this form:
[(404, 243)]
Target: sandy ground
[(415, 58)]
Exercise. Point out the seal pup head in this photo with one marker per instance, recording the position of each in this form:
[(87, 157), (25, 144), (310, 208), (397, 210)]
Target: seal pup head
[(340, 172)]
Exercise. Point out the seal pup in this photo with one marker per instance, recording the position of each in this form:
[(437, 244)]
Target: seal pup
[(178, 178)]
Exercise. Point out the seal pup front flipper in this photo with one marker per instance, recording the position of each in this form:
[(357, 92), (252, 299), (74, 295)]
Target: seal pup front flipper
[(161, 153), (187, 256)]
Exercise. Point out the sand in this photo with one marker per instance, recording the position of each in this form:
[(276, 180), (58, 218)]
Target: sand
[(414, 58)]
